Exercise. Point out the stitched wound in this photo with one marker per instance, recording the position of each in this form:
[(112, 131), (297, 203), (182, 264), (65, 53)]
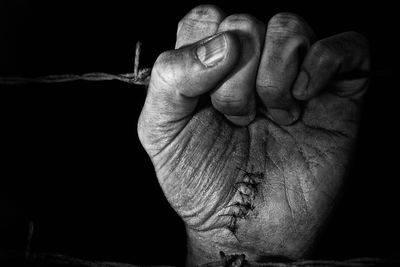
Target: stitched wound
[(247, 190)]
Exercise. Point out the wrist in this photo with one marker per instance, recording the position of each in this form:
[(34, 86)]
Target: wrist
[(209, 246), (206, 246)]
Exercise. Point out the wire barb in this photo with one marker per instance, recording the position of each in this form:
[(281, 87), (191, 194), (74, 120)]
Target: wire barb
[(136, 59)]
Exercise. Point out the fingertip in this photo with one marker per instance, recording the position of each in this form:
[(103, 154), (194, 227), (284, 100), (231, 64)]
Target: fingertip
[(284, 117), (300, 88)]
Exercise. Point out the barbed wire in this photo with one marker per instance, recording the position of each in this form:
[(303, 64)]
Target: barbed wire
[(141, 79), (138, 77)]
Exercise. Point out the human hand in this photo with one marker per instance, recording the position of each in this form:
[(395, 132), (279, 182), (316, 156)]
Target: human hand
[(251, 131)]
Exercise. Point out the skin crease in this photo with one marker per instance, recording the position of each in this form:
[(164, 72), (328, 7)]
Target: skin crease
[(202, 145)]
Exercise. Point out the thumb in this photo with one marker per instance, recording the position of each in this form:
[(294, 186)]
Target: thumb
[(178, 78)]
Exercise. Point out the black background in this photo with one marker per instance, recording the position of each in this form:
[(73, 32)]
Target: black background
[(71, 159)]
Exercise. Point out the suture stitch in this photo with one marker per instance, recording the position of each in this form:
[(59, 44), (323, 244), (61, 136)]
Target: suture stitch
[(245, 205), (234, 260)]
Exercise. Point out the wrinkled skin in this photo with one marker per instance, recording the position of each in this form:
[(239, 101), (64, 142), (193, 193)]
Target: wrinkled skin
[(244, 174)]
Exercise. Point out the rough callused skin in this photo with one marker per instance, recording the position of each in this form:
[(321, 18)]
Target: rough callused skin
[(263, 189), (302, 165)]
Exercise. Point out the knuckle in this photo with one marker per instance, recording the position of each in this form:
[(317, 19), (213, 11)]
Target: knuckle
[(206, 13), (360, 40), (324, 54), (364, 47), (163, 59), (164, 69), (244, 22), (180, 24), (285, 20), (289, 23)]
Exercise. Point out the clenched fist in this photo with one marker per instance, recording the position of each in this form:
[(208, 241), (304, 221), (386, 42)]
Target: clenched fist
[(251, 127)]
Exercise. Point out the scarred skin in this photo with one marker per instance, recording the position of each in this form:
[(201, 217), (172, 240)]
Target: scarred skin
[(245, 176)]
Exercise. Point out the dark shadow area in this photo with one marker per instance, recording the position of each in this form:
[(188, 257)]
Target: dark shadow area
[(72, 162)]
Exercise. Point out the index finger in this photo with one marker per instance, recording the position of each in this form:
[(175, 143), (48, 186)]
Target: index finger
[(201, 22)]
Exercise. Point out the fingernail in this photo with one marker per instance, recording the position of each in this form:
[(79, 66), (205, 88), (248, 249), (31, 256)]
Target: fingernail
[(212, 50), (300, 87), (282, 116)]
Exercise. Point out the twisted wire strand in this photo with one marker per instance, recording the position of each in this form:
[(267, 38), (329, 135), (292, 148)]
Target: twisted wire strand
[(138, 77), (142, 78)]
